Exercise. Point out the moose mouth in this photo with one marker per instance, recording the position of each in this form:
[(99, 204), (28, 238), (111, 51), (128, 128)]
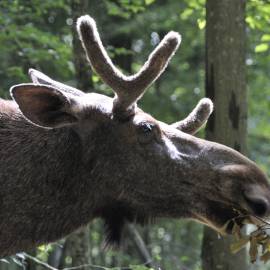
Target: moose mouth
[(228, 227), (224, 219), (239, 220), (258, 210)]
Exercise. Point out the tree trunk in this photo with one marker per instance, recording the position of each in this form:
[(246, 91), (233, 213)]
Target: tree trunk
[(78, 243), (78, 246), (83, 71), (226, 86)]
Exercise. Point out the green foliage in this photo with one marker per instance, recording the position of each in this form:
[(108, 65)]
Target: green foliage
[(258, 64), (126, 8), (39, 37)]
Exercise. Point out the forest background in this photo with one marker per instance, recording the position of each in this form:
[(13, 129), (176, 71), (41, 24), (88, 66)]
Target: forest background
[(41, 35)]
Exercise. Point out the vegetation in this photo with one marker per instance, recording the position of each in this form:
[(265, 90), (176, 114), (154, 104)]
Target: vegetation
[(39, 34)]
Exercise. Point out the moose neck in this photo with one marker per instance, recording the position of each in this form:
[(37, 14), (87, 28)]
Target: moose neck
[(49, 161), (43, 167), (50, 151)]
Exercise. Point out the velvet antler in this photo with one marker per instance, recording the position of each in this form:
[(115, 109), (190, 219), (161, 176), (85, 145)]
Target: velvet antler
[(195, 120), (128, 89)]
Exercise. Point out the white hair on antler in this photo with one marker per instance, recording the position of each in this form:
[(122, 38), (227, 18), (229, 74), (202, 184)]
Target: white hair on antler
[(197, 117)]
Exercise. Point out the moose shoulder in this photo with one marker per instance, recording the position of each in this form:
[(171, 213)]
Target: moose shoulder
[(68, 157)]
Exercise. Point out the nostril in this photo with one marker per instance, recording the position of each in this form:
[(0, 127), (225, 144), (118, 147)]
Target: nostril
[(259, 205)]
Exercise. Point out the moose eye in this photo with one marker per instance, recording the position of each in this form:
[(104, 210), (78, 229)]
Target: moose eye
[(147, 128), (146, 132)]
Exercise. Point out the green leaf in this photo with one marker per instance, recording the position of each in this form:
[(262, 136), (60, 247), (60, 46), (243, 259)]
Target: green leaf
[(201, 23), (250, 22), (265, 257), (186, 13), (149, 2), (265, 37), (263, 47), (237, 246)]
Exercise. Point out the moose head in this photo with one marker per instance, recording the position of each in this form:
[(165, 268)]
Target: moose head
[(70, 156)]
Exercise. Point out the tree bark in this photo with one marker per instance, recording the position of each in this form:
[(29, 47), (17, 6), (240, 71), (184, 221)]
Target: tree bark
[(83, 71), (226, 86), (78, 243), (78, 246)]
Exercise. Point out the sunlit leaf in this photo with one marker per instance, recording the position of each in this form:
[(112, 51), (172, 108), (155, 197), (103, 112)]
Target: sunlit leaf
[(201, 23), (149, 2), (265, 37), (186, 13), (261, 48), (253, 250), (236, 230), (265, 257), (240, 244)]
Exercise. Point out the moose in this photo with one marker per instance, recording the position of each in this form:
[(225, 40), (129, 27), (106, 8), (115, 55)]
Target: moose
[(68, 157)]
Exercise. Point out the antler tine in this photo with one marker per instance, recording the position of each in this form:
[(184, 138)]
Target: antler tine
[(128, 89), (97, 56), (195, 120), (150, 71)]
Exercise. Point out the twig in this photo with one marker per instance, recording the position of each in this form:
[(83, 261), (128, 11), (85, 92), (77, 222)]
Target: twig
[(141, 247), (66, 268), (85, 265), (71, 268), (38, 261)]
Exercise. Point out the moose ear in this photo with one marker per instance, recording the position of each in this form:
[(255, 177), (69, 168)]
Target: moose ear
[(45, 105), (38, 77)]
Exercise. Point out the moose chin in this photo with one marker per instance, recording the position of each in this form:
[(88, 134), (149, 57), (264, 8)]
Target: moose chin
[(68, 157)]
